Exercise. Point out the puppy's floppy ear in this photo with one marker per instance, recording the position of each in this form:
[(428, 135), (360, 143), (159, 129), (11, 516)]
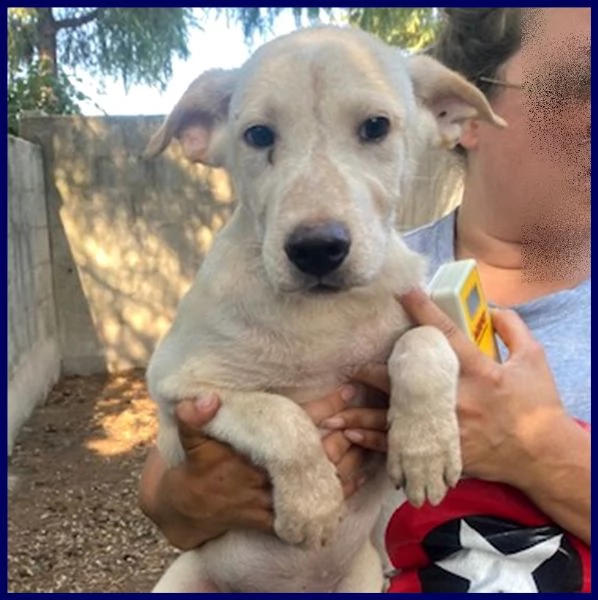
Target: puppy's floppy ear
[(199, 119), (450, 98)]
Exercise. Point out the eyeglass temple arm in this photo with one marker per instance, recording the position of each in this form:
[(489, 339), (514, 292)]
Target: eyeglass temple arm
[(517, 86)]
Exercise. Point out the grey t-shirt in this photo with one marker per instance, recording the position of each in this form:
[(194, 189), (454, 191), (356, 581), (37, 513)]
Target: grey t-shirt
[(560, 321)]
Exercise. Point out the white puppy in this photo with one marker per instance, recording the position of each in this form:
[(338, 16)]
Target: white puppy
[(320, 131)]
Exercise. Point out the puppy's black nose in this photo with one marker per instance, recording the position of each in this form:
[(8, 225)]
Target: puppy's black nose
[(318, 249)]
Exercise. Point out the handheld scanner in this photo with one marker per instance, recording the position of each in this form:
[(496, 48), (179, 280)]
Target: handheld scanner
[(456, 289)]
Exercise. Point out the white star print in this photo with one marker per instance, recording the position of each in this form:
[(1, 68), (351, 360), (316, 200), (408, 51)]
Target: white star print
[(489, 570)]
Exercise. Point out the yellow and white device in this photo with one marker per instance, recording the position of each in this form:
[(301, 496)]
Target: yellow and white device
[(456, 289)]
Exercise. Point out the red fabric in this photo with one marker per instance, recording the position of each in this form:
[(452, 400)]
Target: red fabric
[(409, 526)]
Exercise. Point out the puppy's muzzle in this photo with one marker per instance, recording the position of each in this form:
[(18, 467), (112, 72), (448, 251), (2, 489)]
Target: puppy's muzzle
[(318, 249)]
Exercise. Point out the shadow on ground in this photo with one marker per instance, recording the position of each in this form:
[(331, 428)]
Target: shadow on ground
[(73, 520)]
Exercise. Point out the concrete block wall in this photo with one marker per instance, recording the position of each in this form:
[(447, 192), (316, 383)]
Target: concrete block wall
[(127, 235), (33, 348)]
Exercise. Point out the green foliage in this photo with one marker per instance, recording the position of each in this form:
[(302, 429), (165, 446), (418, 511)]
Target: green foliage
[(259, 22), (254, 21), (409, 28), (36, 88), (136, 45), (21, 37)]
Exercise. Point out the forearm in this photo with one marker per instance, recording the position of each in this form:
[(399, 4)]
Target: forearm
[(556, 475), (156, 504), (153, 471)]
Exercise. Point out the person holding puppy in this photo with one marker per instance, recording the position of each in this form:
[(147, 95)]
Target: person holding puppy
[(525, 218), (521, 523)]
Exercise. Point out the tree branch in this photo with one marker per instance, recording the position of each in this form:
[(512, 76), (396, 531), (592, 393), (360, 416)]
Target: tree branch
[(78, 21)]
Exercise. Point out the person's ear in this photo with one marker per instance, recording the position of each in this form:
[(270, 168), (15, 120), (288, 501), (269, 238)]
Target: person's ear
[(470, 137)]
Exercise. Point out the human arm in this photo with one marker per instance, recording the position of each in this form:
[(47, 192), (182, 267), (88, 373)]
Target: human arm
[(213, 490), (216, 490), (514, 428)]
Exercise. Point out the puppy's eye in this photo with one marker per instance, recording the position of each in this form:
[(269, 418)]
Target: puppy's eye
[(374, 129), (259, 136)]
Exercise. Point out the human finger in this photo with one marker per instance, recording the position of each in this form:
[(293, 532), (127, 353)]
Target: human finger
[(329, 405), (358, 418), (423, 311), (375, 375)]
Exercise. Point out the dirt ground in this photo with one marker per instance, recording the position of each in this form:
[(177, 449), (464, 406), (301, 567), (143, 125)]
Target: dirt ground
[(73, 520)]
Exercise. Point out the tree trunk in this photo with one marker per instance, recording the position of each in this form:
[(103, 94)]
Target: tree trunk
[(46, 39)]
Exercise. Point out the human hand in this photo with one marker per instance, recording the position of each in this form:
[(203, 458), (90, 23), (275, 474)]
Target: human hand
[(353, 431), (506, 411), (212, 491), (215, 490)]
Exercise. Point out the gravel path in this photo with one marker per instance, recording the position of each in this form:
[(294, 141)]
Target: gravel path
[(73, 520)]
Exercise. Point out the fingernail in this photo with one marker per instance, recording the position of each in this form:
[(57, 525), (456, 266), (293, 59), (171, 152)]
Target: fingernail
[(333, 423), (363, 479), (347, 392), (354, 436), (407, 294), (413, 296), (207, 402)]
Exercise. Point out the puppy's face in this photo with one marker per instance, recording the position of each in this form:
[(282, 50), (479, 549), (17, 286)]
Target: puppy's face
[(320, 139), (320, 131)]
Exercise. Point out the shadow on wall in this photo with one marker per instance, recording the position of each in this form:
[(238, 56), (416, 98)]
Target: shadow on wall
[(127, 235)]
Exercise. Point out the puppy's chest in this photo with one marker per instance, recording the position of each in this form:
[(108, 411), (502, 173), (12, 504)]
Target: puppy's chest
[(325, 350), (358, 342)]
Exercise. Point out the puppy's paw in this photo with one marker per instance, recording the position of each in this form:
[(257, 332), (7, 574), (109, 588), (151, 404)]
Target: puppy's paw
[(308, 503), (424, 457)]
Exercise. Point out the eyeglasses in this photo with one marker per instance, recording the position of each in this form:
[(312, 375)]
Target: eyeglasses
[(575, 88), (517, 86)]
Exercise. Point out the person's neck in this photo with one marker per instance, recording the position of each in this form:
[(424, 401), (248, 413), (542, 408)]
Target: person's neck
[(514, 267)]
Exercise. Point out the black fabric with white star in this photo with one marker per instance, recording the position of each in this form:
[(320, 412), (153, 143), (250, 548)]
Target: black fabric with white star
[(560, 572)]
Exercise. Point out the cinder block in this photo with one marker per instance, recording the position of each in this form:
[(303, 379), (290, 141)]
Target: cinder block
[(154, 210), (36, 177), (11, 254), (15, 212), (30, 383), (17, 333), (83, 364), (46, 313), (13, 354), (26, 183), (40, 245), (33, 209), (49, 312), (42, 281), (25, 270)]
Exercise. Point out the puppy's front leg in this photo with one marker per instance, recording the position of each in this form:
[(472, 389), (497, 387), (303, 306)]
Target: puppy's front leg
[(424, 452), (277, 434)]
